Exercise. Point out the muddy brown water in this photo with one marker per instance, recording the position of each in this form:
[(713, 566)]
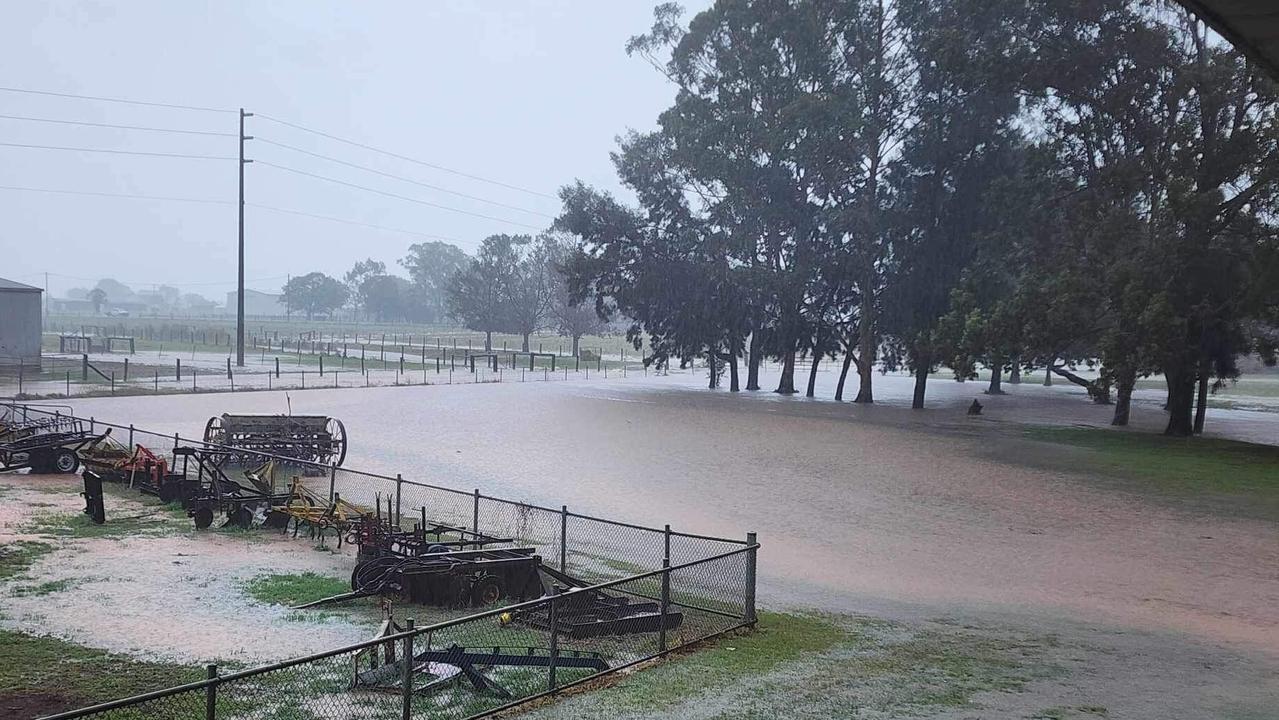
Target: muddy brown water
[(860, 509)]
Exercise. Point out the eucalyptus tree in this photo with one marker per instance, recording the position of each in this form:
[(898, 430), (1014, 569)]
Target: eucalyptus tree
[(478, 294)]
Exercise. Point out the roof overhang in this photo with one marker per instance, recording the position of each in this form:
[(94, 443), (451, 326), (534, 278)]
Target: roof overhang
[(1252, 26)]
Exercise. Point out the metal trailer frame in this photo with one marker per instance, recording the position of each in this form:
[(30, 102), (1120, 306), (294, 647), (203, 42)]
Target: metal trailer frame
[(51, 452), (212, 492)]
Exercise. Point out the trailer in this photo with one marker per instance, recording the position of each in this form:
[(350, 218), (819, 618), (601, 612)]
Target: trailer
[(49, 452), (314, 439), (464, 578)]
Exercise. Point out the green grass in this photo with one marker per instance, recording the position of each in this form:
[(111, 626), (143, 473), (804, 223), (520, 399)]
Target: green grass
[(1177, 464), (805, 666), (17, 556), (45, 588), (295, 588), (80, 526), (35, 665)]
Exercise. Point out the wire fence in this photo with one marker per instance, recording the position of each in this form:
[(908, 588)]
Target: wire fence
[(666, 588), (475, 666)]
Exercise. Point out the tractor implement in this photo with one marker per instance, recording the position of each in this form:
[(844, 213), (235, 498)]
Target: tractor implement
[(310, 438)]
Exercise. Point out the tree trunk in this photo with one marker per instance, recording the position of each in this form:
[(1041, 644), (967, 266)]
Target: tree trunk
[(843, 373), (576, 339), (1014, 373), (812, 372), (711, 365), (866, 345), (1126, 380), (1048, 372), (488, 341), (752, 364), (786, 386), (1181, 401), (732, 373), (525, 349), (996, 379), (1201, 405), (1099, 392), (921, 384)]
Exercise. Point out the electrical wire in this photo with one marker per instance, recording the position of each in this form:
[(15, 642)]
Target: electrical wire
[(210, 201), (399, 177), (130, 196), (119, 152), (394, 195), (120, 127), (116, 100), (404, 157), (349, 222)]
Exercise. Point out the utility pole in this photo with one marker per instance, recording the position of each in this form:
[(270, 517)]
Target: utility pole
[(239, 295), (46, 300)]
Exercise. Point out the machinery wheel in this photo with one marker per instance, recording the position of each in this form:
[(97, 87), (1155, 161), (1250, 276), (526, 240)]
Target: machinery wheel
[(39, 462), (64, 461), (487, 590), (213, 431), (203, 518), (169, 492), (337, 440)]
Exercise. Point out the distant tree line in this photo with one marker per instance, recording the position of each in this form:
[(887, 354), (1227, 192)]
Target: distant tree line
[(515, 284), (911, 184)]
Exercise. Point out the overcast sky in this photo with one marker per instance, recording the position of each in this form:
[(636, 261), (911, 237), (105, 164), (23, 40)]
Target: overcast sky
[(531, 94)]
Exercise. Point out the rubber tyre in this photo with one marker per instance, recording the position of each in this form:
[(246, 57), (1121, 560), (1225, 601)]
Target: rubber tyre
[(487, 591), (64, 461), (203, 518)]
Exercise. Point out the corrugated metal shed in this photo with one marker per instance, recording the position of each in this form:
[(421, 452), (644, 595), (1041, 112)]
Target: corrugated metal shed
[(1252, 26), (20, 322)]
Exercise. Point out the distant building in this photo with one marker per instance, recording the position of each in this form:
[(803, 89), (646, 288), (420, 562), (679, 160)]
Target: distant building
[(20, 323), (257, 303)]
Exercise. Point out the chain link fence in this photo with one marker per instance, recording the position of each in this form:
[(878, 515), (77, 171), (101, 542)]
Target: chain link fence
[(646, 591)]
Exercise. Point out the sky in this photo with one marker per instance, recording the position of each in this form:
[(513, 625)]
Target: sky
[(529, 94)]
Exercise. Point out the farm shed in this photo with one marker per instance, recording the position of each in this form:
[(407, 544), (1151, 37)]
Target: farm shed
[(20, 323)]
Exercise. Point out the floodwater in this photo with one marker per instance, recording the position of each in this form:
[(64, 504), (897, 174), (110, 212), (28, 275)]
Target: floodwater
[(863, 509)]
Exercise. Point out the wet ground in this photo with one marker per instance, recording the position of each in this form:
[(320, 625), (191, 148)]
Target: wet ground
[(883, 510)]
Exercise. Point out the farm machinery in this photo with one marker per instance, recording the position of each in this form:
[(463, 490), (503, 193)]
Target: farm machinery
[(313, 439), (42, 443), (378, 667)]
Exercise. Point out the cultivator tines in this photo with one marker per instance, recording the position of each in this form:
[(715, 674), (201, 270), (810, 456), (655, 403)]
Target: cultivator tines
[(306, 507), (310, 438)]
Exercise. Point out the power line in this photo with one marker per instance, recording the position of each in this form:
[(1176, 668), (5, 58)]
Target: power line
[(350, 222), (400, 177), (209, 201), (394, 195), (119, 152), (130, 196), (406, 158), (120, 127), (116, 100)]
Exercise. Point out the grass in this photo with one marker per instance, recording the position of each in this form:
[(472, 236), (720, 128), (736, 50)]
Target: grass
[(294, 588), (1177, 464), (805, 666), (80, 526), (48, 587), (17, 556), (76, 675)]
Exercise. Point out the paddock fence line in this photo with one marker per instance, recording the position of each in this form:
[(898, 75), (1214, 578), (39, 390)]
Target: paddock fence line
[(531, 650), (709, 582)]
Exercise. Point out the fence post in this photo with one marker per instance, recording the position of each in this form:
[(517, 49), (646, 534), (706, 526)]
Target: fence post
[(126, 369), (399, 488), (333, 480), (406, 678), (21, 371), (131, 446), (563, 538), (211, 693), (475, 513), (666, 589), (750, 616), (113, 382), (554, 624), (84, 368)]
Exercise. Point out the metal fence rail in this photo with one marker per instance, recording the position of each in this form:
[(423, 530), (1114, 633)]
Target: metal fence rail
[(521, 652), (707, 583)]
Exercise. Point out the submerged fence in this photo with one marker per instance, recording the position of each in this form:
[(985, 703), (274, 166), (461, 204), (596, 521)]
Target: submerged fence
[(699, 586)]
